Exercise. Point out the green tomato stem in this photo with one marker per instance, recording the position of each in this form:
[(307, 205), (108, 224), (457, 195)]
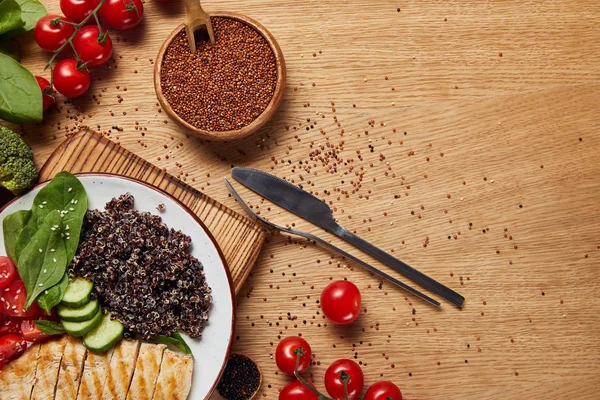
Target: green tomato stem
[(299, 352)]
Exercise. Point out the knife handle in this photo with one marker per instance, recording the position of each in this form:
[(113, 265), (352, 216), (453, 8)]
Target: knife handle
[(401, 267)]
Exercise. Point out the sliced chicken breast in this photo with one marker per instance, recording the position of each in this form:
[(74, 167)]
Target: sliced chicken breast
[(94, 375), (71, 366), (146, 371), (120, 370), (17, 378), (175, 376), (46, 374)]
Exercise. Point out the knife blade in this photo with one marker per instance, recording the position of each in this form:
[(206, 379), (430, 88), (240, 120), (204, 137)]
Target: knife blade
[(314, 210)]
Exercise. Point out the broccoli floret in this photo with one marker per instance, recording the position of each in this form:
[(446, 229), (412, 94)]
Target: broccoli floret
[(17, 170)]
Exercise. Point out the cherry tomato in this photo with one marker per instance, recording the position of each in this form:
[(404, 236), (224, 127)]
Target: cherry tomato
[(11, 347), (122, 14), (286, 358), (13, 300), (51, 32), (383, 390), (297, 391), (31, 332), (94, 48), (333, 380), (340, 302), (77, 10), (70, 80), (7, 271), (9, 326), (47, 102)]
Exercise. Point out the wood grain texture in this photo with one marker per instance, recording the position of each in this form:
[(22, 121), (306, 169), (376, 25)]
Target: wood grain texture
[(496, 119), (239, 238)]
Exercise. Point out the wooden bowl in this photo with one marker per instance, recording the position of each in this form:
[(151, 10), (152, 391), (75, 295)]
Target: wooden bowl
[(262, 119)]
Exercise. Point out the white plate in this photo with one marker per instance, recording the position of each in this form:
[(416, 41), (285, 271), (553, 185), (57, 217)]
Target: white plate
[(212, 349)]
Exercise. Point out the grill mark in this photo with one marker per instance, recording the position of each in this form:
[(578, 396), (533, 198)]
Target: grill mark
[(109, 376), (81, 373), (100, 392), (137, 352), (37, 360), (58, 369), (160, 367)]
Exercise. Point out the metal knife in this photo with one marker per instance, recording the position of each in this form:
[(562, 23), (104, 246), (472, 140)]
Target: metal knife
[(312, 209)]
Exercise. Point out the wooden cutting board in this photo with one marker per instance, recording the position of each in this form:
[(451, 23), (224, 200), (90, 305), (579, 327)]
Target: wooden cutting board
[(239, 238)]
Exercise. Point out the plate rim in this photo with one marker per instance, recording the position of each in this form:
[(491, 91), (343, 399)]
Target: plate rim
[(202, 225)]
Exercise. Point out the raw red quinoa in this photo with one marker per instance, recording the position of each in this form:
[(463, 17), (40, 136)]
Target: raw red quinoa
[(143, 271), (222, 87)]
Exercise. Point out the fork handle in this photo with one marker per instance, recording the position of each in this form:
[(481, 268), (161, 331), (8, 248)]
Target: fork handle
[(193, 9)]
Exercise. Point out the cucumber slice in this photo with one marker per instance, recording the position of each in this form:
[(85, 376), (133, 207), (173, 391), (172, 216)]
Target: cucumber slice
[(105, 335), (79, 314), (77, 293), (83, 327)]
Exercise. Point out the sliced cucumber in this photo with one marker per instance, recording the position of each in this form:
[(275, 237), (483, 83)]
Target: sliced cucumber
[(105, 335), (83, 327), (77, 293), (79, 314)]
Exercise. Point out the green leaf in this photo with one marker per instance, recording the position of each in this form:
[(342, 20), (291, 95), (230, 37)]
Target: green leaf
[(43, 262), (24, 238), (49, 327), (10, 16), (53, 296), (12, 226), (10, 47), (20, 94), (66, 194), (175, 340), (31, 12)]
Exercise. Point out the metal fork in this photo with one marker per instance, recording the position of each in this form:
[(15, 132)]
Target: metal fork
[(270, 226)]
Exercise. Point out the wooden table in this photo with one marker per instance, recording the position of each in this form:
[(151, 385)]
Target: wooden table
[(468, 142)]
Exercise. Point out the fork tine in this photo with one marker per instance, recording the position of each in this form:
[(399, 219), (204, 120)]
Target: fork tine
[(189, 31)]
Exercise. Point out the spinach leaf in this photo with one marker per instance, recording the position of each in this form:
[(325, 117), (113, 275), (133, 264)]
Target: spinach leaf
[(10, 16), (12, 226), (24, 238), (175, 340), (49, 327), (20, 95), (31, 12), (66, 194), (10, 47), (54, 295), (43, 261)]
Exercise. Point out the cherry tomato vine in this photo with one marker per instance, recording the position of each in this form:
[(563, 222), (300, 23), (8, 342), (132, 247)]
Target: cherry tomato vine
[(344, 377)]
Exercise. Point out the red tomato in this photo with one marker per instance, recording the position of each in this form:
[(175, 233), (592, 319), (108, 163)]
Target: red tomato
[(340, 302), (383, 390), (297, 391), (11, 347), (94, 48), (70, 80), (13, 300), (47, 101), (9, 326), (333, 380), (77, 10), (51, 32), (7, 271), (31, 332), (286, 358), (122, 14)]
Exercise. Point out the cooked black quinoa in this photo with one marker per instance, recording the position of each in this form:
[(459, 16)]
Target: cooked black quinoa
[(143, 271), (240, 379)]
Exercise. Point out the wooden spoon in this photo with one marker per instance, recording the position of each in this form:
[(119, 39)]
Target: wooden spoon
[(196, 17)]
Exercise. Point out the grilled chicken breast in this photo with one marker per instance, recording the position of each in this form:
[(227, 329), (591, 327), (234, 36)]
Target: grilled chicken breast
[(17, 378), (94, 374), (46, 374), (120, 370), (71, 366), (175, 377), (147, 367)]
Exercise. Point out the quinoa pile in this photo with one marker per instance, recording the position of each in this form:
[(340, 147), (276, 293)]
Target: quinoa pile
[(143, 271), (221, 87)]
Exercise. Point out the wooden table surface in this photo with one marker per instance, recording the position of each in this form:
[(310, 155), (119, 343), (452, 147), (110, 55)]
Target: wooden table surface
[(464, 139)]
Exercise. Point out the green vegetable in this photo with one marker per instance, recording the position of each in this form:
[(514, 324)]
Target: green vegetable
[(31, 12), (83, 327), (10, 16), (10, 47), (105, 335), (20, 94), (54, 295), (79, 314), (17, 170), (78, 293), (12, 226), (49, 327), (43, 262), (175, 340)]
